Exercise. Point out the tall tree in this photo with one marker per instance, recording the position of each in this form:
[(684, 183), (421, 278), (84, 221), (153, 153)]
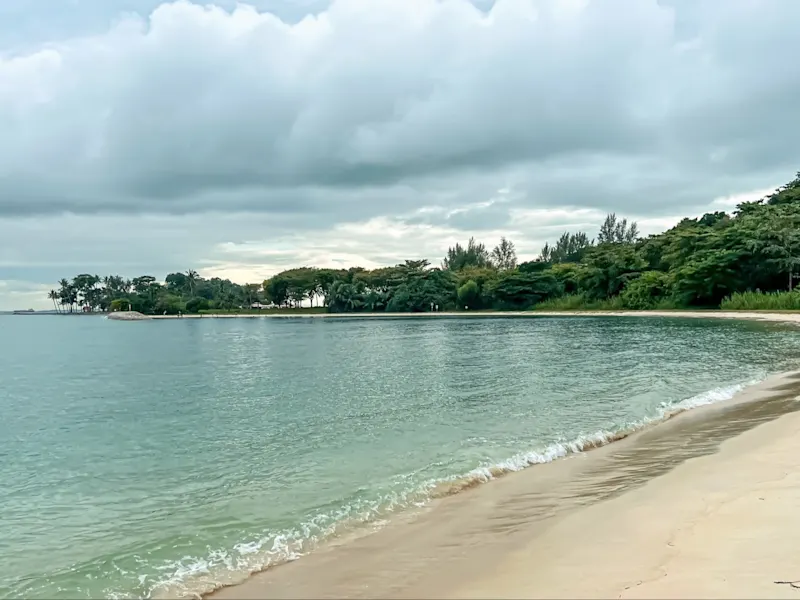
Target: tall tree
[(570, 247), (616, 231), (473, 255), (504, 255), (251, 293), (53, 295), (86, 287), (191, 280), (67, 294)]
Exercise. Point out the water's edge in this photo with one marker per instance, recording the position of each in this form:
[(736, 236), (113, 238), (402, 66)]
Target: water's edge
[(689, 314), (747, 391), (484, 474)]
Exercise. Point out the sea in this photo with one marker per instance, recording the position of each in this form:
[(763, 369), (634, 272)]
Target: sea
[(162, 458)]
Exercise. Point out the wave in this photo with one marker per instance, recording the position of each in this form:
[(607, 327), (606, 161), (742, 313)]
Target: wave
[(584, 443), (194, 576)]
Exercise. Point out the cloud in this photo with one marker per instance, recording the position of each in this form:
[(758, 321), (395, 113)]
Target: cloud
[(198, 107), (139, 136), (16, 295), (729, 203)]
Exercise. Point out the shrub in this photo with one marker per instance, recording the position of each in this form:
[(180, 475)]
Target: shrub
[(120, 304), (400, 300), (646, 291), (469, 295), (169, 304), (567, 275), (195, 305)]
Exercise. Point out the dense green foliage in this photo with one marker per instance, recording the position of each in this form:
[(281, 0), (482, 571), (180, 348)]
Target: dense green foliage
[(180, 292), (740, 260)]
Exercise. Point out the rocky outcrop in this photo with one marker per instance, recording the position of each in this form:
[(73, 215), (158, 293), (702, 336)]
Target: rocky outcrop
[(128, 315)]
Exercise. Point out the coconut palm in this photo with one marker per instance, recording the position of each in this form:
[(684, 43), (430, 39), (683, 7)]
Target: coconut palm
[(67, 294), (345, 297), (374, 301), (53, 295), (191, 280)]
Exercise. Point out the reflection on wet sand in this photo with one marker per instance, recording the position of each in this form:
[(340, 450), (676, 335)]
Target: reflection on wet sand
[(429, 553), (659, 449)]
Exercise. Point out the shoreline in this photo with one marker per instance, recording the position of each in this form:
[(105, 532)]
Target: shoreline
[(770, 316), (716, 526), (432, 545)]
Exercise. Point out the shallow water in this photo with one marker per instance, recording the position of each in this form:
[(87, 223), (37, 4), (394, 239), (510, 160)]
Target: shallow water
[(159, 457)]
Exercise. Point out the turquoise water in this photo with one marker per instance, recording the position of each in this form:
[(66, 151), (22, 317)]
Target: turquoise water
[(157, 458)]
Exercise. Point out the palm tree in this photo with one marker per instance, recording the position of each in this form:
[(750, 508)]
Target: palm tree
[(345, 297), (67, 294), (53, 295), (374, 301), (251, 293), (191, 279)]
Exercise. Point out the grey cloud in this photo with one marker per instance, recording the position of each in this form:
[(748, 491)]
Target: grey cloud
[(192, 108), (492, 217)]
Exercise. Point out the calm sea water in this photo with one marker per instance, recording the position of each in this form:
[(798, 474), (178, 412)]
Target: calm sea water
[(152, 458)]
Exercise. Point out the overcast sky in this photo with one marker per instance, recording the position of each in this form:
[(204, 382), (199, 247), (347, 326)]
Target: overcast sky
[(140, 137)]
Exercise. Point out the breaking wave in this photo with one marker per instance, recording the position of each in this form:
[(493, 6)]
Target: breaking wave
[(195, 576)]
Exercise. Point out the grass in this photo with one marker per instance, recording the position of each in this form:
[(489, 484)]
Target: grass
[(762, 301), (579, 302)]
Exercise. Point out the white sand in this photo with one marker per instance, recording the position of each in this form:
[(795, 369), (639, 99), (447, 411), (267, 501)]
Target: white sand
[(720, 526)]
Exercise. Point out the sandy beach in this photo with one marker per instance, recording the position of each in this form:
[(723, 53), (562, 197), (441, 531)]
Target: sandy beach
[(693, 314), (720, 526), (703, 505)]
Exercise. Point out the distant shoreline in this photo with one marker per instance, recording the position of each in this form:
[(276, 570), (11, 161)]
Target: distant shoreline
[(771, 316)]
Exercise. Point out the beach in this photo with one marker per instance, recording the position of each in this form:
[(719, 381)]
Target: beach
[(720, 526), (773, 317), (700, 506)]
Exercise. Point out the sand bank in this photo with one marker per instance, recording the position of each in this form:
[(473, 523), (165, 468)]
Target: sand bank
[(658, 514)]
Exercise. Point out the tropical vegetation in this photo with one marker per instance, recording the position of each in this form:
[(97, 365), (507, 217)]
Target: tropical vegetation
[(745, 260)]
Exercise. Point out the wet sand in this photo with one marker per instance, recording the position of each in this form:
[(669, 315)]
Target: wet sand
[(702, 505), (722, 526)]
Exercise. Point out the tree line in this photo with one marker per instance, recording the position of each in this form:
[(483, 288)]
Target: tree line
[(697, 263), (180, 292)]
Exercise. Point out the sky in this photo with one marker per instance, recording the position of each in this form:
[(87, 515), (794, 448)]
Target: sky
[(146, 137)]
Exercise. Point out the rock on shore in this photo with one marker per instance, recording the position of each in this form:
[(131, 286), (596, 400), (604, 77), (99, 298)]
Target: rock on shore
[(128, 315)]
